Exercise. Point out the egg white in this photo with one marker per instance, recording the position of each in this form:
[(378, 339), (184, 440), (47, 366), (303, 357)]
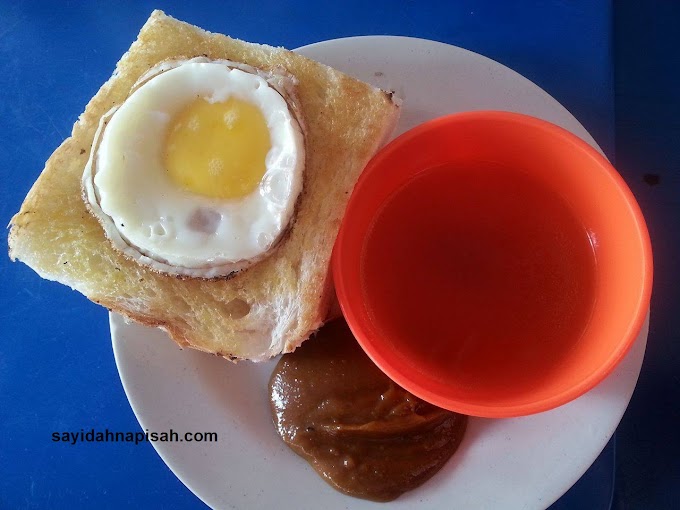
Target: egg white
[(150, 218)]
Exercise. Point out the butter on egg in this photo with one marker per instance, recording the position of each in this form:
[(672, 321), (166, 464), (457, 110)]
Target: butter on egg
[(197, 173)]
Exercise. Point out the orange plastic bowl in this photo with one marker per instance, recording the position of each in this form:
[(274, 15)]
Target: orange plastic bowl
[(493, 264)]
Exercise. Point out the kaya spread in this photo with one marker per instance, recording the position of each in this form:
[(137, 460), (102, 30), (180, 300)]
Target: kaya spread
[(362, 433)]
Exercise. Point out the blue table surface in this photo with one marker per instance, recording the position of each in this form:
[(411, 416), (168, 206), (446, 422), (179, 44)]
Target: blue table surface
[(607, 64)]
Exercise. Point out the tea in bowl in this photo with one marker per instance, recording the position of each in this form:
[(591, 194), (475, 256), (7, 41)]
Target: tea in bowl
[(493, 264)]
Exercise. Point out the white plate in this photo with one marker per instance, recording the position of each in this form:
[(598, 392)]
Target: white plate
[(520, 463)]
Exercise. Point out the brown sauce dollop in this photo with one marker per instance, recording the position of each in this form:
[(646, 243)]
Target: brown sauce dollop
[(362, 433)]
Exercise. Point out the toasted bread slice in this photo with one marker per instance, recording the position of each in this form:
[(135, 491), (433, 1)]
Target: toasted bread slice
[(264, 310)]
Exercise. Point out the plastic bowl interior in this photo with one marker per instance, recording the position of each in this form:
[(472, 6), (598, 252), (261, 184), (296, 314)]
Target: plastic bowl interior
[(541, 377)]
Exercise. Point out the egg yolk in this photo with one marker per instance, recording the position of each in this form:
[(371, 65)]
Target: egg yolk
[(217, 149)]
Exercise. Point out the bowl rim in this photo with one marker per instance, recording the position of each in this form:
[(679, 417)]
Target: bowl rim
[(348, 305)]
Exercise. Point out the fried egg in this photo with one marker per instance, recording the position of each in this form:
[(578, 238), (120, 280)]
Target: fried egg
[(198, 171)]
